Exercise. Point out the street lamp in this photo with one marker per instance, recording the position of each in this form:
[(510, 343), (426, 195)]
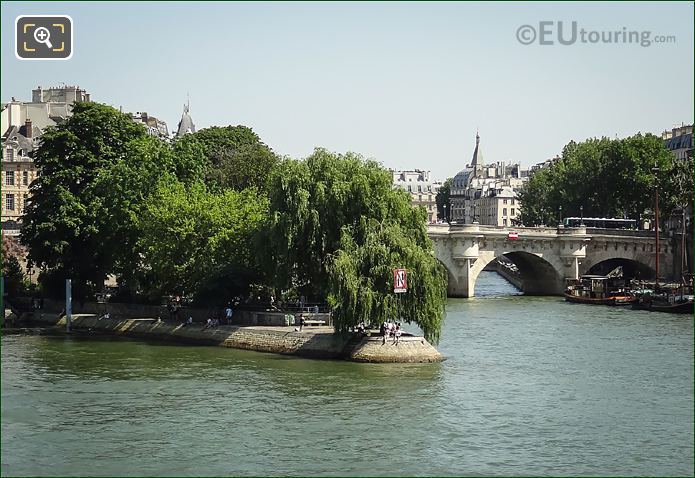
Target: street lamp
[(560, 214), (581, 215), (655, 169)]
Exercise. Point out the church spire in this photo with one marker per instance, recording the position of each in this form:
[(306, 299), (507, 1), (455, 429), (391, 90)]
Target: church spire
[(477, 153), (186, 124)]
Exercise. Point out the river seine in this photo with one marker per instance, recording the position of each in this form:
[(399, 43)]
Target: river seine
[(531, 386)]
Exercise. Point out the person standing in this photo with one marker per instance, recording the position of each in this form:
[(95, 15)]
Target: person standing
[(228, 312), (175, 306)]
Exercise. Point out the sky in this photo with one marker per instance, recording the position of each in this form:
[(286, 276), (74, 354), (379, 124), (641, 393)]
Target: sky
[(407, 84)]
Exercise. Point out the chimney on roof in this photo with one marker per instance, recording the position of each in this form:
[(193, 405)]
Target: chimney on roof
[(28, 128)]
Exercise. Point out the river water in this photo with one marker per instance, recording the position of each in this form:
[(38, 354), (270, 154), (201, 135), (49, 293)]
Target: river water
[(532, 386)]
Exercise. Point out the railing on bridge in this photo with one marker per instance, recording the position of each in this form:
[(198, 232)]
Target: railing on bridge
[(543, 230)]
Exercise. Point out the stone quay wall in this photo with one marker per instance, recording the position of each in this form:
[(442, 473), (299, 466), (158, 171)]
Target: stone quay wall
[(119, 310), (314, 342)]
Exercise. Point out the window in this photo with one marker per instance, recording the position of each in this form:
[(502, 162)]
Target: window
[(504, 222), (504, 211), (9, 202), (25, 178), (429, 197), (419, 189), (419, 198), (429, 188), (504, 201), (9, 178), (410, 188), (512, 211), (512, 204), (9, 154), (26, 202)]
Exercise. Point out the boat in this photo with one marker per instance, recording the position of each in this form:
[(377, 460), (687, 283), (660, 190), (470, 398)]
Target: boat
[(676, 300), (598, 290)]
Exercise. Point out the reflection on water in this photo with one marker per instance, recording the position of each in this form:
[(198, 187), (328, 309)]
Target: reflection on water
[(532, 385)]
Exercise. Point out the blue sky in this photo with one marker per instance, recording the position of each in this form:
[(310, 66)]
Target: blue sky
[(405, 83)]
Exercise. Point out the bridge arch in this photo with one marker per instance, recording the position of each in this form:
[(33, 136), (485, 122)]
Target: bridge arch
[(632, 269), (538, 275)]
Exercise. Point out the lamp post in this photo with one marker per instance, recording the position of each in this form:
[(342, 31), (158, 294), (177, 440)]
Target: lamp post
[(683, 257), (445, 220), (560, 214), (656, 224), (581, 215)]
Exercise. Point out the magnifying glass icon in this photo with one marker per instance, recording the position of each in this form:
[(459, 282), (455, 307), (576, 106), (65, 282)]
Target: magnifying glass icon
[(42, 35)]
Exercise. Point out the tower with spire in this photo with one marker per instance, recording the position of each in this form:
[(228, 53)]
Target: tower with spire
[(186, 125), (477, 153)]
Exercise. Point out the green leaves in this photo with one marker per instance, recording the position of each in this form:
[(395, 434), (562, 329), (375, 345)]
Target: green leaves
[(98, 169), (64, 223), (361, 280), (608, 178), (442, 199), (191, 237), (236, 157), (337, 229)]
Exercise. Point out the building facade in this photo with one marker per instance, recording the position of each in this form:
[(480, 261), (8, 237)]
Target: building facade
[(422, 190), (680, 141), (22, 125), (680, 225), (486, 193), (154, 126)]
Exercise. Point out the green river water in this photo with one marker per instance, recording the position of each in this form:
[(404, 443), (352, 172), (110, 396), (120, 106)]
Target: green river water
[(531, 385)]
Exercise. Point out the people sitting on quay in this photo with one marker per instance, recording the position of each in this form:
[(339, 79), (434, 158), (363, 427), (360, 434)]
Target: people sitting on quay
[(189, 321), (397, 333), (106, 316), (361, 328)]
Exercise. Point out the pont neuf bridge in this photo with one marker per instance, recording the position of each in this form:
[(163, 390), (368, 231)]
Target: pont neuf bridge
[(545, 256)]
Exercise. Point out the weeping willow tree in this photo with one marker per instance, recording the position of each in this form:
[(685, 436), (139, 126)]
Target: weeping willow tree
[(361, 280), (336, 230)]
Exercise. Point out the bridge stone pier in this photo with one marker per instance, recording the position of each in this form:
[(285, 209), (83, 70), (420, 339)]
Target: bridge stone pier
[(545, 256)]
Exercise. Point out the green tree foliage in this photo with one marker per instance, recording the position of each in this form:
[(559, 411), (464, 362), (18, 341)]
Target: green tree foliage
[(442, 198), (322, 213), (608, 178), (127, 186), (237, 158), (97, 170), (200, 242), (15, 279), (62, 223), (361, 279)]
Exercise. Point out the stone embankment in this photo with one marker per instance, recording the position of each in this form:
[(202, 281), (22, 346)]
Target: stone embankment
[(315, 342)]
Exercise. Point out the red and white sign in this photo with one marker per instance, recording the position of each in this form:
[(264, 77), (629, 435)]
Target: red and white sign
[(400, 281), (513, 236)]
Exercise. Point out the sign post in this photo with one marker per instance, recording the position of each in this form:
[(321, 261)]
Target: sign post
[(400, 281), (400, 286), (68, 303)]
